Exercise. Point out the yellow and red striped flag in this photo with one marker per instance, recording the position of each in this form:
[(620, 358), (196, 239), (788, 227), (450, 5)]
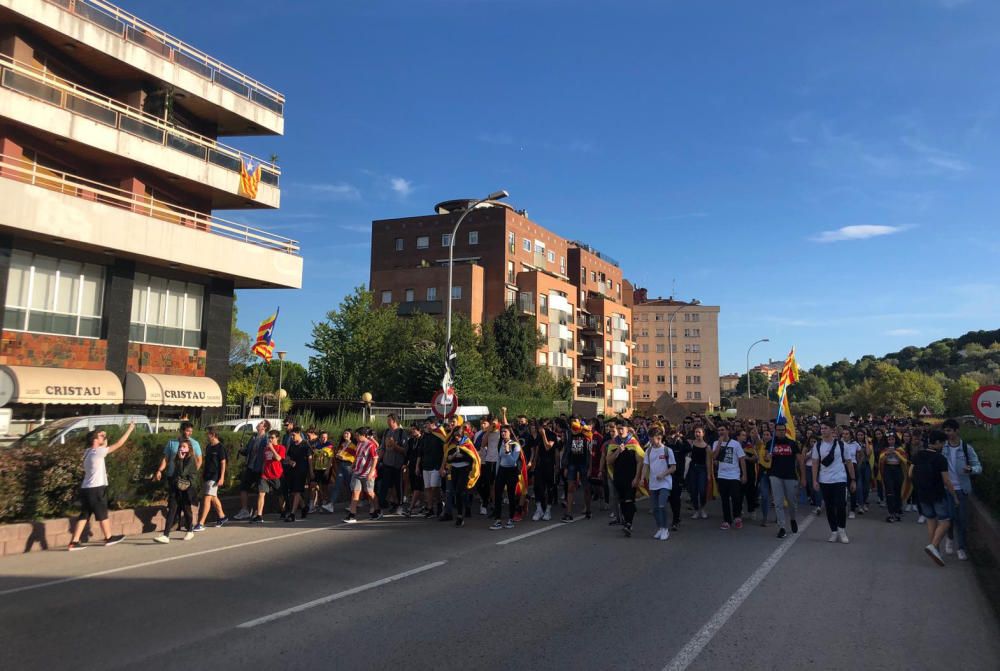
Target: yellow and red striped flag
[(264, 345)]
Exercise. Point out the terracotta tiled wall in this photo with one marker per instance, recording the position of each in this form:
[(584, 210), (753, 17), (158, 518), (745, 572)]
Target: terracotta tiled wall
[(36, 349), (144, 358)]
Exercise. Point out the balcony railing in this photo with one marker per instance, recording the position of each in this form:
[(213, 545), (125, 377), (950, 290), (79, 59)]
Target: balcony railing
[(20, 170), (66, 95), (133, 29)]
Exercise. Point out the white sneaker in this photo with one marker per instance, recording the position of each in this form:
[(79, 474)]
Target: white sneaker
[(704, 515), (538, 513), (244, 514), (962, 556), (850, 516), (921, 519), (547, 515), (842, 536), (611, 516), (833, 537), (162, 538), (819, 510), (933, 553), (659, 532), (328, 507), (695, 515), (188, 536), (664, 534), (949, 546), (482, 510)]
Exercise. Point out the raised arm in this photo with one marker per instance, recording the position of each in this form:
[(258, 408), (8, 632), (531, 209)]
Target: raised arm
[(121, 441)]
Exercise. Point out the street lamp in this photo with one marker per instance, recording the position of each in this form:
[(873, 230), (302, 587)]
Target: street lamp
[(748, 361), (670, 342), (281, 375), (496, 195)]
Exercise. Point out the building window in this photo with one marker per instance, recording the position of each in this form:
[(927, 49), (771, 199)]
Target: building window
[(399, 244), (645, 378), (689, 396), (696, 379), (661, 348), (552, 257), (526, 243), (543, 303), (673, 348), (386, 297), (696, 363), (409, 295), (49, 295), (660, 363), (445, 239), (543, 329), (456, 293), (659, 333), (166, 312), (423, 242), (473, 237), (432, 293), (512, 241), (543, 359), (695, 317), (697, 396), (645, 363), (562, 265), (696, 348), (593, 276)]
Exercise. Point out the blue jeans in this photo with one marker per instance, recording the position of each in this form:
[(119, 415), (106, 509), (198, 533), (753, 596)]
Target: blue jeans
[(343, 471), (660, 498), (698, 485), (959, 515), (864, 484), (764, 492)]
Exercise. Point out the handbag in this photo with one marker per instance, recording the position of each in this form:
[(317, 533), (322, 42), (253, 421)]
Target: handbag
[(183, 484)]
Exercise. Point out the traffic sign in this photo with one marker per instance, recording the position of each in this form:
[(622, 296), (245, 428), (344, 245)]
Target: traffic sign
[(444, 404), (925, 412), (986, 403)]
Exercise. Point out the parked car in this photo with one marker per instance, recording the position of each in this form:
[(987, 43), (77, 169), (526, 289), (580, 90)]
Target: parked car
[(246, 425), (58, 431)]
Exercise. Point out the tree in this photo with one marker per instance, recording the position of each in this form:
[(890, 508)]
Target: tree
[(516, 340), (958, 395), (758, 384)]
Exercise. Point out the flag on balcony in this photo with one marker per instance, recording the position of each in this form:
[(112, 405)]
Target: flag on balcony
[(264, 345), (250, 171)]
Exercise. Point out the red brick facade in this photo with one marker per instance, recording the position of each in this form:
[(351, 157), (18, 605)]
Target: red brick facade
[(37, 349), (143, 358)]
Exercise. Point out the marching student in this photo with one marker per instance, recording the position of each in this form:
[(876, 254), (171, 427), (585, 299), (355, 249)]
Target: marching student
[(732, 475), (934, 488), (213, 476), (94, 488), (658, 467), (833, 474)]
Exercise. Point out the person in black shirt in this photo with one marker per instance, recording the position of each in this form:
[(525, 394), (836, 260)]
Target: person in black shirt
[(431, 456), (298, 469), (213, 476), (414, 477), (543, 463), (785, 455), (929, 473), (624, 462), (681, 449)]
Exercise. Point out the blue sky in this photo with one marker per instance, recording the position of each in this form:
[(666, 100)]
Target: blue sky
[(824, 171)]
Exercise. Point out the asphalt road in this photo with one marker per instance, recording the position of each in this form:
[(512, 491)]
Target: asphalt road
[(415, 594)]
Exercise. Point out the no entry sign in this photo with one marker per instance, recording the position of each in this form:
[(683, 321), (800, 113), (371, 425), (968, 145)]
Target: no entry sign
[(986, 403), (444, 404)]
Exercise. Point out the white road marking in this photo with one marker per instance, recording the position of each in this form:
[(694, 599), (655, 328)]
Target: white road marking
[(154, 562), (699, 641), (550, 527), (339, 595)]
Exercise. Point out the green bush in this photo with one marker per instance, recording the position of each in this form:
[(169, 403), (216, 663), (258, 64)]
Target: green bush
[(40, 483), (987, 485)]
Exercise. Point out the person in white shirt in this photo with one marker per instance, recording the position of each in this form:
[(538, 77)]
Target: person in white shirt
[(658, 468), (831, 472), (729, 455), (851, 449), (94, 489)]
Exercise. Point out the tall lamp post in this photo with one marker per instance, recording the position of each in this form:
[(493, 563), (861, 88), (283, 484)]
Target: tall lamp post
[(496, 195), (748, 361), (670, 342), (281, 377)]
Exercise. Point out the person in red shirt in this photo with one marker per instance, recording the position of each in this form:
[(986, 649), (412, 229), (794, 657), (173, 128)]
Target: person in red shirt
[(270, 476)]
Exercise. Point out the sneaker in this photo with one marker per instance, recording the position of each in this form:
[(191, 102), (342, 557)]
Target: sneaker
[(627, 529), (257, 519), (350, 519), (313, 509), (890, 518), (290, 517), (850, 515), (674, 526), (833, 537), (665, 535), (819, 510), (795, 527), (198, 527), (724, 526), (949, 546), (547, 515), (738, 523), (586, 514), (518, 517), (73, 547), (397, 511), (428, 514), (962, 556), (221, 522), (482, 511), (704, 515), (459, 521), (842, 536), (933, 553), (327, 507), (242, 515), (189, 535), (510, 524), (377, 515), (162, 538), (921, 520), (612, 516), (496, 526), (695, 515), (567, 518), (656, 536), (538, 513), (782, 533)]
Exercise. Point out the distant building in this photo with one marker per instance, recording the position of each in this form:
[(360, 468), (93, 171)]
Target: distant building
[(727, 383)]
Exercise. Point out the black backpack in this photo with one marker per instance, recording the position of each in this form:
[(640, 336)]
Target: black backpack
[(827, 461)]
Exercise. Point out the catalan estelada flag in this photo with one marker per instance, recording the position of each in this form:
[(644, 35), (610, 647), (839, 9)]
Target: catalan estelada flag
[(462, 443), (264, 345), (249, 177), (789, 376)]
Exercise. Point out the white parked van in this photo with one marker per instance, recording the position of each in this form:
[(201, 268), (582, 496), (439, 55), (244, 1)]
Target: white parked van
[(58, 431), (470, 413)]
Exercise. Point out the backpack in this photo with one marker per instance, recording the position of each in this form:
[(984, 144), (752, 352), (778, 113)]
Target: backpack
[(827, 461), (965, 453)]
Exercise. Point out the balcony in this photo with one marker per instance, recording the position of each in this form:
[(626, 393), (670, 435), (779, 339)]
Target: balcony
[(524, 304), (58, 106), (53, 205), (591, 379), (420, 307), (121, 43), (593, 324), (590, 352)]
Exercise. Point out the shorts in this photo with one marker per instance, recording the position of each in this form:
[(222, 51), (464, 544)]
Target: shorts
[(321, 476), (432, 479), (210, 488), (576, 472), (295, 481), (266, 486), (416, 479), (936, 510), (359, 483), (94, 501), (249, 481)]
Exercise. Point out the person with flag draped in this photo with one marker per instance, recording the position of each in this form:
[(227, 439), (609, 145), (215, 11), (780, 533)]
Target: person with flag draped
[(893, 470), (508, 472), (462, 467), (624, 467)]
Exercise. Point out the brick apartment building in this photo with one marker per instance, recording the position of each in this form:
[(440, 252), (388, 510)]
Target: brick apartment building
[(503, 259), (117, 280), (676, 349)]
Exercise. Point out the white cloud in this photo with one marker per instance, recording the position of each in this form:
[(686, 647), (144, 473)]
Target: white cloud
[(332, 190), (902, 332), (356, 228), (861, 232), (496, 138), (401, 186)]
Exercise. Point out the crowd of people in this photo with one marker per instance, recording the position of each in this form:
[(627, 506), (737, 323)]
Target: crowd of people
[(533, 467)]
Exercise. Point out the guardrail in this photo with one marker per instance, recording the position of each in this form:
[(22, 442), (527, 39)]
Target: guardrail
[(133, 29), (66, 95), (20, 170)]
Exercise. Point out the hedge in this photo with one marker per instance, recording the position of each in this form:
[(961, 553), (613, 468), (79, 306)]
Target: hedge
[(987, 485)]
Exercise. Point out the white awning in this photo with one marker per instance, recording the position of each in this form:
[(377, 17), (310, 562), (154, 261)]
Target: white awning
[(59, 386), (182, 390)]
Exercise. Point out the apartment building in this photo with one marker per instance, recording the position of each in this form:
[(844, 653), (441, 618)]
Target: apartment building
[(676, 349), (118, 280), (503, 259)]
